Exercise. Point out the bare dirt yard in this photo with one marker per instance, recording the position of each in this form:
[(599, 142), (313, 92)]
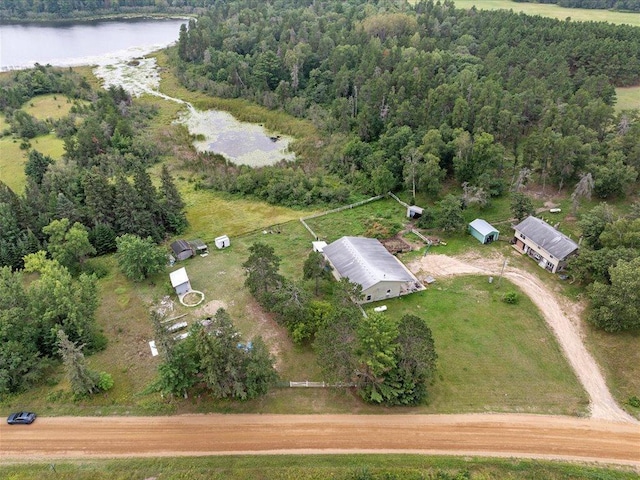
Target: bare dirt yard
[(500, 435), (562, 316)]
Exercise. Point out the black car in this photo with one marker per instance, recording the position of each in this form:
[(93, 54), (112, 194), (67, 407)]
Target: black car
[(21, 418)]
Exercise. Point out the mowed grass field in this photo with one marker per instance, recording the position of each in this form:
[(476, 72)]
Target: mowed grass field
[(554, 11), (312, 467)]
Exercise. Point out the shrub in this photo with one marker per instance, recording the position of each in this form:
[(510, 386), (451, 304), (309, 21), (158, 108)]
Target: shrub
[(105, 382), (511, 297), (634, 402)]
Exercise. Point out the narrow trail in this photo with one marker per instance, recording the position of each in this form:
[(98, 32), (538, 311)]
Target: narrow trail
[(561, 315)]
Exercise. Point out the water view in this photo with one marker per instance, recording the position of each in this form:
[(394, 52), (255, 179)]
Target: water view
[(83, 43), (117, 49)]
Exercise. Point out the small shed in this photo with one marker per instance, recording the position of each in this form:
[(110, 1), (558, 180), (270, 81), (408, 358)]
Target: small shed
[(180, 281), (483, 231), (318, 246), (222, 241), (199, 247), (181, 249), (413, 211)]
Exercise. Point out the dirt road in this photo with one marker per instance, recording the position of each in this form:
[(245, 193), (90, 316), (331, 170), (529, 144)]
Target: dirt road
[(561, 315), (512, 435)]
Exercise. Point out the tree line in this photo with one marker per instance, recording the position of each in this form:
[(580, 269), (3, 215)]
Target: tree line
[(410, 96), (622, 5)]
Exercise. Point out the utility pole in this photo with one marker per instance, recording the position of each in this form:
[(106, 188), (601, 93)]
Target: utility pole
[(504, 265)]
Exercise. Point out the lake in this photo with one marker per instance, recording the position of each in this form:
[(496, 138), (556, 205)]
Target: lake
[(110, 46), (83, 43)]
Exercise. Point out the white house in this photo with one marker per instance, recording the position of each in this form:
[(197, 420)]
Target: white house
[(366, 262), (543, 243), (180, 281)]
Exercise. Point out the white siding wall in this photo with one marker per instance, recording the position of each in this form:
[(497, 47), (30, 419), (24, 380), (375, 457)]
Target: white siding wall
[(382, 291)]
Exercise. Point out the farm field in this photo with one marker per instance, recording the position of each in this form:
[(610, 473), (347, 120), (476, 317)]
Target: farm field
[(554, 11)]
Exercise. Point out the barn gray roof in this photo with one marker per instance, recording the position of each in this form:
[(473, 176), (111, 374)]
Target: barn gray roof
[(482, 227), (547, 237), (365, 261)]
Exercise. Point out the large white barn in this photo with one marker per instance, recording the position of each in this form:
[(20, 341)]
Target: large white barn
[(367, 262)]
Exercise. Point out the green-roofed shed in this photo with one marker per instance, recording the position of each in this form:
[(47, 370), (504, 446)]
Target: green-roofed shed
[(483, 231)]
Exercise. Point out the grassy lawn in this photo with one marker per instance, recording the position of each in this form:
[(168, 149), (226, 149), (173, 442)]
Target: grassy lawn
[(12, 159), (491, 356), (54, 106), (307, 467), (554, 11), (628, 98)]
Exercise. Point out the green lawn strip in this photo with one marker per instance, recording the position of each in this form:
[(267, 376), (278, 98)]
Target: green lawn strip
[(628, 98), (492, 356), (54, 106), (554, 11), (3, 123), (312, 467), (619, 356)]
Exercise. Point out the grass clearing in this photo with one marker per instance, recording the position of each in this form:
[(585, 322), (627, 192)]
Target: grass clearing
[(628, 98), (54, 106), (554, 11), (12, 159), (303, 467)]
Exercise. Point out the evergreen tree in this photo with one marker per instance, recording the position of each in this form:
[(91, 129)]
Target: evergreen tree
[(171, 203), (37, 165), (83, 380), (99, 197)]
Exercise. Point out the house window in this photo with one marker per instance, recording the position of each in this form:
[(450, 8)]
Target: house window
[(368, 297), (522, 236), (388, 291)]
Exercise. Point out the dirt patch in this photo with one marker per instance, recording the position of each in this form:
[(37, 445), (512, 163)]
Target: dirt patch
[(209, 309), (274, 335), (562, 316)]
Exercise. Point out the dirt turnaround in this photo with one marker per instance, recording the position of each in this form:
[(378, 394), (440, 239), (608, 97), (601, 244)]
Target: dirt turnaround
[(561, 315), (499, 435)]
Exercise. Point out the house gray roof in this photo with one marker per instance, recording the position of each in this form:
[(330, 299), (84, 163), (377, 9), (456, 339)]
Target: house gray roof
[(482, 227), (365, 261), (547, 237)]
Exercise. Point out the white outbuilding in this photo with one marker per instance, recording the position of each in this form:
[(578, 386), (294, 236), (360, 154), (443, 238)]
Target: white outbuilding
[(180, 281), (222, 241)]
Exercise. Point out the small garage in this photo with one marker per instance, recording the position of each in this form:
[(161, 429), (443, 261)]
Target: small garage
[(180, 281), (181, 249), (483, 231)]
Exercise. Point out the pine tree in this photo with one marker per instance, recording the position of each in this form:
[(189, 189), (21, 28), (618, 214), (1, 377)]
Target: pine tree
[(172, 204), (83, 380), (99, 197)]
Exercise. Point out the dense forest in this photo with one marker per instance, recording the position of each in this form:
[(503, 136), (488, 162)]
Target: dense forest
[(414, 95), (624, 5)]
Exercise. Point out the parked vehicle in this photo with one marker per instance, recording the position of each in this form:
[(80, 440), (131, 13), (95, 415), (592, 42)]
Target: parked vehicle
[(21, 418)]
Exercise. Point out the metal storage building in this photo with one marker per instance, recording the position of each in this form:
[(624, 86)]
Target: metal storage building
[(483, 231), (367, 262), (181, 249)]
